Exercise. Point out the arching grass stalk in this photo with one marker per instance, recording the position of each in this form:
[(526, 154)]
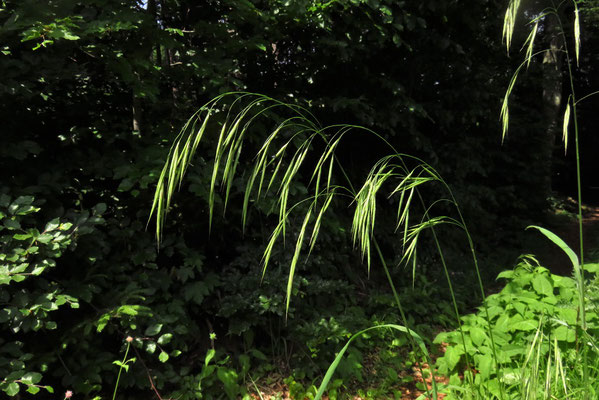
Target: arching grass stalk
[(339, 357), (277, 164)]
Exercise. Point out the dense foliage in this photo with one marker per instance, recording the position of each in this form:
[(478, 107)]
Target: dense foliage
[(93, 94)]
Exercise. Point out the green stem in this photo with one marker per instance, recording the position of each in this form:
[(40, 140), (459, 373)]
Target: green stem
[(118, 377), (405, 320), (391, 284), (580, 272)]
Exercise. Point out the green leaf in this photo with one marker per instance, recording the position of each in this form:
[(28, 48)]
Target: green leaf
[(121, 365), (163, 357), (229, 379), (44, 238), (165, 339), (526, 325), (31, 378), (128, 310), (560, 243), (33, 389), (591, 267), (478, 335), (52, 225), (11, 224), (153, 329), (12, 389), (209, 356), (505, 275), (542, 285), (453, 354), (151, 347), (564, 334), (485, 364), (102, 322)]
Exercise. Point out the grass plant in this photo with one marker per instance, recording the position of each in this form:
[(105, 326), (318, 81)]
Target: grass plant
[(277, 163), (523, 343)]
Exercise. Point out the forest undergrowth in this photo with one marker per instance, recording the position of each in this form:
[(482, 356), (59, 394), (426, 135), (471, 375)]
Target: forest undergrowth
[(284, 264), (534, 338)]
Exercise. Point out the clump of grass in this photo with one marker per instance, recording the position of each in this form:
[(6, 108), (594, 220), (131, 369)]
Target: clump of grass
[(298, 139)]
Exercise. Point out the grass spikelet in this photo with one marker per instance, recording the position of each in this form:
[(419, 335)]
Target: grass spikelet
[(565, 127), (577, 32), (296, 254), (531, 40), (509, 22)]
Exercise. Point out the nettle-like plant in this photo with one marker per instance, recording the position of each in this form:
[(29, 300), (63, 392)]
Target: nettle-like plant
[(298, 144)]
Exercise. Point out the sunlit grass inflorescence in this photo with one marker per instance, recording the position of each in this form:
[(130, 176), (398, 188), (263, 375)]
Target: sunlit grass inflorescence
[(282, 158)]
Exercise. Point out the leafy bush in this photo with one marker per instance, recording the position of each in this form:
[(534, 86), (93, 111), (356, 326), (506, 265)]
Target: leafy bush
[(31, 296), (535, 313)]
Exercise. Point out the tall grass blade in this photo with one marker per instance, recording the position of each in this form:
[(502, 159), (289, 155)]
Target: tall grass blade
[(329, 374), (575, 264)]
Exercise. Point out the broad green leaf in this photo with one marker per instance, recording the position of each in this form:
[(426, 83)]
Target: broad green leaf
[(102, 322), (153, 330), (453, 355), (229, 379), (505, 274), (484, 363), (165, 339), (12, 389), (478, 335), (564, 334), (52, 225), (33, 389), (542, 285), (526, 325), (209, 356), (31, 378), (591, 267), (163, 357), (568, 315), (128, 310)]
